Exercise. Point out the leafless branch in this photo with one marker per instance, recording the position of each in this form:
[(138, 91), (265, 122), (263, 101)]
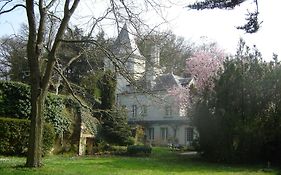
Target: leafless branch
[(70, 89), (11, 9)]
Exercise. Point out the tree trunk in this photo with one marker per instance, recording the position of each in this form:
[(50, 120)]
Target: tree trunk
[(36, 129), (39, 80)]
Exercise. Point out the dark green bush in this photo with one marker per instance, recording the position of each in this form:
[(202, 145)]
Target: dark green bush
[(48, 138), (139, 150), (15, 103), (14, 100), (14, 136)]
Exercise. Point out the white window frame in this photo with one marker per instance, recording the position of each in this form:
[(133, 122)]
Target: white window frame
[(134, 111), (189, 134), (164, 133), (151, 133)]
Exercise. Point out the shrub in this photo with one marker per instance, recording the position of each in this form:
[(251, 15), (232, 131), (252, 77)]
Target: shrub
[(14, 100), (115, 129), (14, 136), (139, 150)]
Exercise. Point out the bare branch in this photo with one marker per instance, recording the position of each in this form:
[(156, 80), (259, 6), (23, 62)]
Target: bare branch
[(50, 4), (71, 60), (71, 90), (11, 9)]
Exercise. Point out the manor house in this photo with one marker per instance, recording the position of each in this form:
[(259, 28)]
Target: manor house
[(142, 89)]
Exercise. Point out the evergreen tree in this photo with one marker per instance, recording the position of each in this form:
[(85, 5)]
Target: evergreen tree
[(252, 24), (114, 127)]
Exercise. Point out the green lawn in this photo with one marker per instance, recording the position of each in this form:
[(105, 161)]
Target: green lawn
[(161, 161)]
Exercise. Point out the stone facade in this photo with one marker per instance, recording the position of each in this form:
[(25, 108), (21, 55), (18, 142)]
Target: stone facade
[(142, 90)]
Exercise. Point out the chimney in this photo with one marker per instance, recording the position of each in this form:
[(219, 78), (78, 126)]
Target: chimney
[(155, 56), (153, 66)]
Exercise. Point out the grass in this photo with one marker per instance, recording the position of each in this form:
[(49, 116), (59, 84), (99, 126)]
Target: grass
[(162, 161)]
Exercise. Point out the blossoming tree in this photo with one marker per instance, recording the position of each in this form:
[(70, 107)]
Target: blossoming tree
[(203, 67)]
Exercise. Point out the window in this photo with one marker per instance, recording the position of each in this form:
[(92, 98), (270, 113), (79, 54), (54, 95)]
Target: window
[(144, 110), (175, 132), (189, 134), (182, 111), (164, 133), (151, 133), (168, 111), (134, 110)]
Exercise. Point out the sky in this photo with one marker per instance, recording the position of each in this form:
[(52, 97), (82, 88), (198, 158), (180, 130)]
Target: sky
[(212, 25)]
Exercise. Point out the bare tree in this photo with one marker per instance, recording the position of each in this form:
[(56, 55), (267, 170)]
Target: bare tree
[(39, 77), (42, 52)]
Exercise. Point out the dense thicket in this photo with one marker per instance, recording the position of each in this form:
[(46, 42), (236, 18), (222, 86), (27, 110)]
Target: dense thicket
[(240, 119)]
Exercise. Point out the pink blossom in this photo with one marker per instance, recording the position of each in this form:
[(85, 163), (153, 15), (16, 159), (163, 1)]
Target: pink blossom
[(204, 66)]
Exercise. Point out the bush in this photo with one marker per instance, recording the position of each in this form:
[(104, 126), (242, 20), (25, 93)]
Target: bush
[(15, 103), (14, 100), (139, 150), (14, 136)]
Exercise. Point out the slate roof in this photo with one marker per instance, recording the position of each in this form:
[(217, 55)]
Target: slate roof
[(168, 81)]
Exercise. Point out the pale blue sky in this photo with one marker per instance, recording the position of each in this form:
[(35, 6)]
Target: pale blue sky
[(217, 25)]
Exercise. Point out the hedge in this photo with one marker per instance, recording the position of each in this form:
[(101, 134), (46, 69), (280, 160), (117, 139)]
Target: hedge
[(14, 100), (139, 150), (15, 103), (14, 136)]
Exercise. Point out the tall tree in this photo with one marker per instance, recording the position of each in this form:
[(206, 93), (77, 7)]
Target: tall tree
[(40, 77), (13, 59)]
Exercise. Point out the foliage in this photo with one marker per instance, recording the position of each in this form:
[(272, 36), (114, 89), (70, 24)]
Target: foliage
[(235, 120), (252, 24), (91, 59), (15, 102), (141, 150), (14, 99), (114, 128), (107, 86), (13, 62), (48, 138), (54, 106), (14, 136)]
